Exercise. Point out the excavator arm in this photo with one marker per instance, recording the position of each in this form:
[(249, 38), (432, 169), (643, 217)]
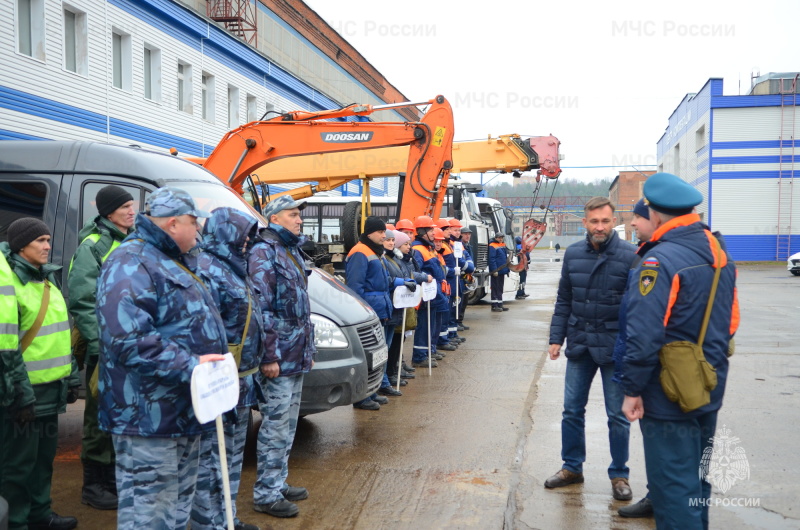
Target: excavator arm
[(244, 150)]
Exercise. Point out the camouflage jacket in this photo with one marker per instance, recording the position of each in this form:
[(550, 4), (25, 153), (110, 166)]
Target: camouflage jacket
[(223, 267), (288, 331), (155, 320)]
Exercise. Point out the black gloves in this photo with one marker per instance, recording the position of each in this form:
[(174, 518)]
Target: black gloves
[(411, 285), (24, 415), (72, 395)]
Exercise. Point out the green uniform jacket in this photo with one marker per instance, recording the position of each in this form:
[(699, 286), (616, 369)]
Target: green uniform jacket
[(82, 280), (49, 398)]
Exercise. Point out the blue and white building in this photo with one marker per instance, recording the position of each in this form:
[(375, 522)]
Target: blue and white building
[(742, 153), (161, 74)]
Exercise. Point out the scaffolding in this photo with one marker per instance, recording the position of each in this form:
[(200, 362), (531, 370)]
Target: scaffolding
[(786, 161), (237, 16)]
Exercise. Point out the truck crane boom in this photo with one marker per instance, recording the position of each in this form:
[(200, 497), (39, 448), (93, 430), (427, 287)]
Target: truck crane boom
[(506, 153)]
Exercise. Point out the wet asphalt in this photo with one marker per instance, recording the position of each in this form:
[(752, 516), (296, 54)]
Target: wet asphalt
[(470, 445)]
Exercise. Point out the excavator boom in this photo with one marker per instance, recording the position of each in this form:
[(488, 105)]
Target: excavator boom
[(429, 142)]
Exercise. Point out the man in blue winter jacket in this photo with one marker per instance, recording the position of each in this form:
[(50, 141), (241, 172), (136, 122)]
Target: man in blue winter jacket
[(368, 277), (593, 279), (279, 275), (157, 322), (666, 300)]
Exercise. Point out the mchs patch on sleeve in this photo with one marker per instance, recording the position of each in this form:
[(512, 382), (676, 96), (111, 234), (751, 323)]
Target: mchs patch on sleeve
[(647, 280)]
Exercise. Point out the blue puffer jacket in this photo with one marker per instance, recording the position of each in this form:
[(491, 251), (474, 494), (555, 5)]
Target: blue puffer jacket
[(223, 268), (367, 275), (498, 257), (666, 302), (590, 291), (288, 331), (155, 320)]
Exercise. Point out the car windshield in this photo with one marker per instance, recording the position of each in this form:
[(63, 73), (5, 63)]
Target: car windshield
[(208, 196)]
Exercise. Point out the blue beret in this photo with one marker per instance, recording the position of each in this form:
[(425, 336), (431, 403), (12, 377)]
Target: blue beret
[(669, 194), (284, 202), (641, 209), (172, 202)]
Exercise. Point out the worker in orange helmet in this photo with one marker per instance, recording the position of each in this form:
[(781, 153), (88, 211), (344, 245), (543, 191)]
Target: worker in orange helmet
[(406, 226), (427, 258), (465, 266)]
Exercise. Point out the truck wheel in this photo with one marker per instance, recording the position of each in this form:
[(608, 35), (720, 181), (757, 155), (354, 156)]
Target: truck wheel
[(796, 273), (351, 224)]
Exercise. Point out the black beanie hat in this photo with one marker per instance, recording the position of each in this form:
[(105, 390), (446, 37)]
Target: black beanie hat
[(22, 231), (110, 198), (373, 224)]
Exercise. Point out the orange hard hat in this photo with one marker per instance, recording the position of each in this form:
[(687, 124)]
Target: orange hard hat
[(455, 223), (423, 221), (438, 234), (404, 224), (390, 226)]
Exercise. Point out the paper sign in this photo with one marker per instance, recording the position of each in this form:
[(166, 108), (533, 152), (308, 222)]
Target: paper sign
[(428, 290), (458, 249), (403, 297), (215, 388)]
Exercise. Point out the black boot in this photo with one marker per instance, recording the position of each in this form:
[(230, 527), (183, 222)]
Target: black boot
[(95, 490), (110, 477)]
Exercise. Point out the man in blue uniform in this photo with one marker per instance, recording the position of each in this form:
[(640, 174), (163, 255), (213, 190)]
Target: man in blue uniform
[(667, 300), (593, 280), (644, 231), (157, 322), (227, 238), (279, 275), (498, 267)]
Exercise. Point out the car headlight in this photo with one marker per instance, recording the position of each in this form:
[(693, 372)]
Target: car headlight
[(327, 334)]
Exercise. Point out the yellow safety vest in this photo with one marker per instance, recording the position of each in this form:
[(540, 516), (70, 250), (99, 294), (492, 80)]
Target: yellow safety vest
[(49, 357), (9, 327), (95, 238)]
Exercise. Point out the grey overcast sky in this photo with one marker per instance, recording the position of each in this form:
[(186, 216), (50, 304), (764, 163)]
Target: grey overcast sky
[(603, 77)]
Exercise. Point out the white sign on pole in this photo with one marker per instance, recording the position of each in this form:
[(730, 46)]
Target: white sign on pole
[(428, 290), (458, 249), (215, 388), (404, 297)]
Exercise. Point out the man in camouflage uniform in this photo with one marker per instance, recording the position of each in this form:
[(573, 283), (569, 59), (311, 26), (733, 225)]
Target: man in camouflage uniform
[(278, 272), (227, 236), (157, 322), (98, 238)]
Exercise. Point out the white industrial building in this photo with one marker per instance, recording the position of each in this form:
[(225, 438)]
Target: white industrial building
[(164, 74), (741, 153)]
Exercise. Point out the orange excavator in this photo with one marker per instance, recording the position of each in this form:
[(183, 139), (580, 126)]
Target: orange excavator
[(244, 150)]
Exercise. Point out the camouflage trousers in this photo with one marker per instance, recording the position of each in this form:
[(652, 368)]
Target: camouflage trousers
[(276, 434), (208, 509), (155, 479)]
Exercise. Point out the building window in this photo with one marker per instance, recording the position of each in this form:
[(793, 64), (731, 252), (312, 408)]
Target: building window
[(233, 107), (185, 87), (121, 59), (252, 108), (152, 73), (76, 56), (208, 97), (30, 28), (676, 160), (700, 138)]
